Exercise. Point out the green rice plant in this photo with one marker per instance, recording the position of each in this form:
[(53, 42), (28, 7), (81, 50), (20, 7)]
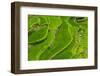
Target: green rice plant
[(57, 37)]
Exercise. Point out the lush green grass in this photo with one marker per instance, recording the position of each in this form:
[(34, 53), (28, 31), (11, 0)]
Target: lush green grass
[(57, 37)]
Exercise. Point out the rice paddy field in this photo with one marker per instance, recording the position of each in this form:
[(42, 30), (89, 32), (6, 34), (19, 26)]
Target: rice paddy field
[(57, 37)]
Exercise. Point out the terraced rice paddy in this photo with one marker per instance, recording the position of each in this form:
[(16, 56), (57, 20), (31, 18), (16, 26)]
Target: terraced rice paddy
[(57, 37)]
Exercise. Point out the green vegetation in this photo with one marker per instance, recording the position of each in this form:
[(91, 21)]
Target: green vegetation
[(57, 37)]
